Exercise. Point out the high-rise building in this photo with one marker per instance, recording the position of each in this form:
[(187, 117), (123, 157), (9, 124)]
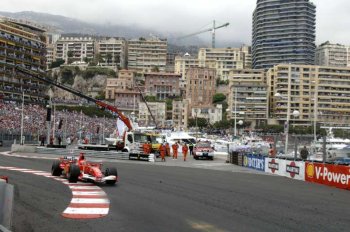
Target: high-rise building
[(22, 45), (283, 32), (147, 54), (334, 55)]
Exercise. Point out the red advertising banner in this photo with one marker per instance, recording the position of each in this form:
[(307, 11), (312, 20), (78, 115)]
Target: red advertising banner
[(328, 174)]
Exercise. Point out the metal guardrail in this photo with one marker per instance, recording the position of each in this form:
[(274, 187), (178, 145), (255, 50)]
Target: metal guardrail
[(88, 153)]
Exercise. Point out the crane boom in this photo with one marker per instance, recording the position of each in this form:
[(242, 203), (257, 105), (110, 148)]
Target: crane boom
[(114, 109), (207, 30), (149, 110)]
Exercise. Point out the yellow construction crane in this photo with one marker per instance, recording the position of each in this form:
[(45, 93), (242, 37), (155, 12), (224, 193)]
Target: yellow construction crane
[(206, 30)]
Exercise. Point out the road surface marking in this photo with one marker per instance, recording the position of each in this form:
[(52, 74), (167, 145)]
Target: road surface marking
[(89, 201)]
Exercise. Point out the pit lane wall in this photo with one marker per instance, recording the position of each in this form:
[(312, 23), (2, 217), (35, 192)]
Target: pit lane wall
[(322, 173)]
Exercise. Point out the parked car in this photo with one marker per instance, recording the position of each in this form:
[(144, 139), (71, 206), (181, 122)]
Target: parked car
[(203, 150)]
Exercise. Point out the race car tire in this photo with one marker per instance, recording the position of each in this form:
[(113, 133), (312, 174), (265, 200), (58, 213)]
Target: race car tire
[(111, 172), (73, 173), (56, 169)]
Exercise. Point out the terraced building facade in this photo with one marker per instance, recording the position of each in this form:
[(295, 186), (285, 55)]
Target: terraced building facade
[(22, 46)]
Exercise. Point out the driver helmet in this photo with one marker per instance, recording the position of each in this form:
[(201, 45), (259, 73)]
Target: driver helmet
[(81, 156)]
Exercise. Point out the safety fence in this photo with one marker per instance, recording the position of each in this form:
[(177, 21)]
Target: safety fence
[(96, 154), (8, 139), (88, 153), (331, 174)]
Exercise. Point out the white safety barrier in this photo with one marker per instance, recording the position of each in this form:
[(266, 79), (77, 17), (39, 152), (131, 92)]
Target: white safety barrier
[(151, 158), (288, 168), (6, 205)]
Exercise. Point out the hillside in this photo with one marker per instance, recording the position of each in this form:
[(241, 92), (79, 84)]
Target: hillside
[(66, 25)]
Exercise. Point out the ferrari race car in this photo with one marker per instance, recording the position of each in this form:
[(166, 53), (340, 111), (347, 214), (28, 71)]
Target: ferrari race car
[(79, 169)]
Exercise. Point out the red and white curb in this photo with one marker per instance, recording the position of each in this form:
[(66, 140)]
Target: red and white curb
[(89, 201)]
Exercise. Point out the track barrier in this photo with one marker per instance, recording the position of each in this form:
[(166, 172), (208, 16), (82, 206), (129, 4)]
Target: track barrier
[(88, 153), (6, 205), (335, 174)]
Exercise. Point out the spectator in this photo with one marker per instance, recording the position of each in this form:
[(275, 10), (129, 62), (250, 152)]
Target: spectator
[(304, 153), (190, 146)]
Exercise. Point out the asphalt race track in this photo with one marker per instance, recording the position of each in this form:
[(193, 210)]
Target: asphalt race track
[(173, 197)]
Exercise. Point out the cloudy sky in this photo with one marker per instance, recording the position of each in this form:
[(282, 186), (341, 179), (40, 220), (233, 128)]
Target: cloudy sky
[(187, 16)]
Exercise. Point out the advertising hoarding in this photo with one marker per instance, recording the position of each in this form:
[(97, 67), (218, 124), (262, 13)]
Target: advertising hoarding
[(328, 174)]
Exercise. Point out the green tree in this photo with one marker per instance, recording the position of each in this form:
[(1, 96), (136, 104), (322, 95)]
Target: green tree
[(57, 63), (219, 97), (155, 69), (151, 98), (223, 124), (70, 55), (199, 122), (101, 95), (109, 58), (169, 104), (67, 76)]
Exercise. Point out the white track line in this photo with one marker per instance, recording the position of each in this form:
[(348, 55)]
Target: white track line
[(89, 201)]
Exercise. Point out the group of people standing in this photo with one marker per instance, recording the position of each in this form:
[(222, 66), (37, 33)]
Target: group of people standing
[(164, 150)]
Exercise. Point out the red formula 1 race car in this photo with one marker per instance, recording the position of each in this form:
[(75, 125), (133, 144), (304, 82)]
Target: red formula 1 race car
[(79, 169)]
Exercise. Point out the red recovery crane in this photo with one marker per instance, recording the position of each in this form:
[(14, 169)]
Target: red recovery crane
[(114, 109)]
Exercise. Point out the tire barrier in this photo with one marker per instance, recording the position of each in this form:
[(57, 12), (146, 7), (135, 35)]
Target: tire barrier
[(6, 205)]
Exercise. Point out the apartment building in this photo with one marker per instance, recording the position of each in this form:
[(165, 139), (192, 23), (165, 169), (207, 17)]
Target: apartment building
[(317, 92), (185, 62), (212, 114), (112, 52), (180, 114), (50, 55), (200, 86), (22, 45), (75, 49), (283, 32), (225, 59), (162, 85), (122, 91), (332, 55), (158, 110), (248, 96), (146, 55), (170, 62), (51, 39)]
